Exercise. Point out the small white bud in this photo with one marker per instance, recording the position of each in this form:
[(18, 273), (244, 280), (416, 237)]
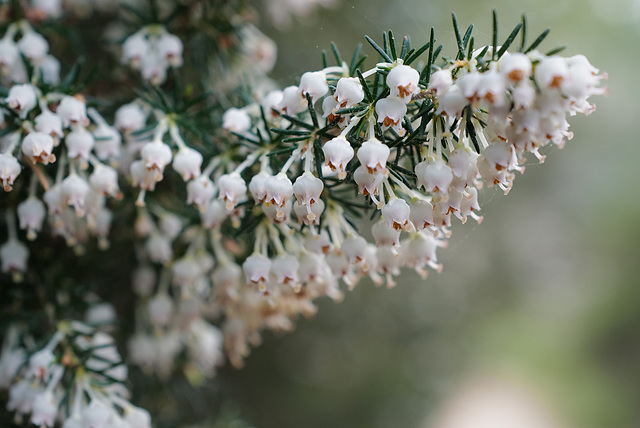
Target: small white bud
[(396, 213), (337, 153), (349, 92), (33, 46), (200, 191), (31, 214), (232, 188), (79, 144), (170, 48), (391, 111), (74, 191), (49, 123), (104, 179), (9, 171)]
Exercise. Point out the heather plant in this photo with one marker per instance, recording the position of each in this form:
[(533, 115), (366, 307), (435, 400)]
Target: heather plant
[(168, 166)]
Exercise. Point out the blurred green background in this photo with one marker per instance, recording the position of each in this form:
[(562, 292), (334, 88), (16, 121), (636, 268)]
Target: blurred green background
[(540, 302)]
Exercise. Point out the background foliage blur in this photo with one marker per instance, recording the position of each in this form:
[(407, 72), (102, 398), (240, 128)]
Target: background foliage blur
[(541, 298)]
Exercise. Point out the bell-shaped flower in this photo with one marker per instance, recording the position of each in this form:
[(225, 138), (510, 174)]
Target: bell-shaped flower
[(232, 189), (440, 81), (236, 120), (38, 147), (187, 163), (402, 81), (391, 111), (313, 83), (337, 154), (31, 214), (396, 213), (373, 155), (9, 171)]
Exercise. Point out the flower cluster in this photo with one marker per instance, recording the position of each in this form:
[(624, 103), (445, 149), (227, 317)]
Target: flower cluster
[(249, 205), (53, 128), (21, 40), (77, 377), (152, 50), (417, 153)]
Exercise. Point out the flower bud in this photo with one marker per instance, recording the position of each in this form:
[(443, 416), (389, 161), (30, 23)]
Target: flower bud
[(74, 191), (104, 179), (130, 117), (13, 256)]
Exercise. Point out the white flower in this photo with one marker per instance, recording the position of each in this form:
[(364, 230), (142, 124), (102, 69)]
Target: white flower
[(402, 81), (107, 142), (54, 200), (452, 102), (187, 163), (236, 120), (367, 183), (9, 171), (232, 189), (38, 147), (214, 215), (31, 214), (135, 47), (200, 191), (156, 155), (279, 189), (349, 92), (285, 269), (142, 177), (435, 176), (391, 111), (79, 144), (22, 98), (516, 66), (337, 154), (313, 83), (13, 256), (33, 46), (396, 213), (9, 53), (160, 309), (421, 214), (96, 414), (45, 409), (309, 214), (373, 155), (384, 235), (551, 72), (130, 117), (440, 81), (72, 111), (74, 191), (258, 186), (170, 48), (308, 188), (104, 179), (49, 123), (159, 248), (354, 248), (270, 102), (137, 417), (256, 268), (292, 103), (50, 69)]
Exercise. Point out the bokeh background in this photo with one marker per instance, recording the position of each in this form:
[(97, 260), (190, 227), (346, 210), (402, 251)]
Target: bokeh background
[(534, 321)]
